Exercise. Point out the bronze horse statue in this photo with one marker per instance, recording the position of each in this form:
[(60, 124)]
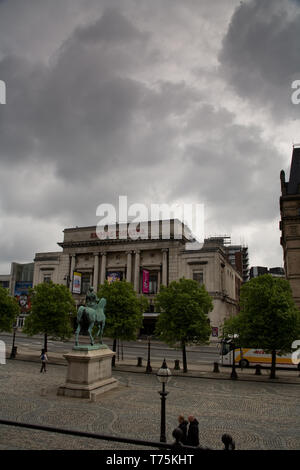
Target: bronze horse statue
[(94, 316)]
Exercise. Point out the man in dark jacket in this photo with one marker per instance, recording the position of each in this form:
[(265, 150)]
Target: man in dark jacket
[(183, 424), (193, 432)]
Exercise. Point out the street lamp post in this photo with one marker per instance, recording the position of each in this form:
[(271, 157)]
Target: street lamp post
[(149, 368), (233, 375), (163, 376), (14, 349)]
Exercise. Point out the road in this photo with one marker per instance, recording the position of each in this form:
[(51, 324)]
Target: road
[(131, 350)]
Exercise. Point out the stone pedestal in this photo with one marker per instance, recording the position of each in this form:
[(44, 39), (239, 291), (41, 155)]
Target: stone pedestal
[(89, 372)]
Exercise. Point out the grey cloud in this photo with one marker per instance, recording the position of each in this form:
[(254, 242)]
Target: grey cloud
[(233, 171), (111, 110), (260, 54), (111, 26)]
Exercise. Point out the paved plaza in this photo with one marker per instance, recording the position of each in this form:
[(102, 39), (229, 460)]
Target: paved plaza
[(257, 415)]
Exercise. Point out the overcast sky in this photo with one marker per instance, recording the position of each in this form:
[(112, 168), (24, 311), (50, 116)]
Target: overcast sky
[(165, 101)]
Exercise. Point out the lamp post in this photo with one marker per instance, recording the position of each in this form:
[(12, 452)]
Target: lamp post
[(233, 375), (149, 368), (14, 349), (163, 376)]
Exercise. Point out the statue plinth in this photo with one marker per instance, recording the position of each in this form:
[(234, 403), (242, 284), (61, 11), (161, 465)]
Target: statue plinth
[(89, 372), (89, 347)]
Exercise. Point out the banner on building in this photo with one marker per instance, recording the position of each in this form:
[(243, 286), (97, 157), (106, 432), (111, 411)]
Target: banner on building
[(22, 295), (145, 281), (113, 276), (76, 283)]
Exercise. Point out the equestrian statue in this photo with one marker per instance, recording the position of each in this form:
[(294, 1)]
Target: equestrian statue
[(93, 314)]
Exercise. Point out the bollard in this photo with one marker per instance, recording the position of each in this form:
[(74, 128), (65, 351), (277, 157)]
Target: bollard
[(177, 366), (216, 367), (139, 363), (258, 369)]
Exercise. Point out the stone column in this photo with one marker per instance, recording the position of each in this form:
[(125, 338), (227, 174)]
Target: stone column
[(164, 266), (158, 281), (137, 271), (73, 260), (128, 271), (103, 267), (96, 271)]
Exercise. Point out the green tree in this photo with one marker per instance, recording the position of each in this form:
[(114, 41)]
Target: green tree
[(9, 310), (123, 311), (51, 306), (268, 319), (184, 306)]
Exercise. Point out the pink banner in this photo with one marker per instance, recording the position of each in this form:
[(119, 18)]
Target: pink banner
[(145, 281)]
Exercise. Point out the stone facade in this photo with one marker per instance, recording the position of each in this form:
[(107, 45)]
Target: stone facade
[(164, 260), (290, 224)]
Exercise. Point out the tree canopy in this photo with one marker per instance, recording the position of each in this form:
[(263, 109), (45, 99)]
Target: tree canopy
[(51, 306), (184, 307), (269, 317), (9, 310), (123, 311)]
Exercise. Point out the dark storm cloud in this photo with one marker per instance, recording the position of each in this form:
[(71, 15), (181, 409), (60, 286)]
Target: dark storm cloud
[(107, 102), (231, 170), (111, 26), (260, 55)]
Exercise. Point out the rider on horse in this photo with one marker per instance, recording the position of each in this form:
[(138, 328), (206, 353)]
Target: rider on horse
[(91, 299)]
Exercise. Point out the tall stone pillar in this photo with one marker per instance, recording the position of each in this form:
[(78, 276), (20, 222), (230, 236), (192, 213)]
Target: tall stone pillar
[(73, 260), (137, 271), (103, 267), (128, 272), (158, 281), (96, 271), (164, 266)]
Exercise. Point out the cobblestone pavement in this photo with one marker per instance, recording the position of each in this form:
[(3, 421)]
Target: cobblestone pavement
[(257, 415)]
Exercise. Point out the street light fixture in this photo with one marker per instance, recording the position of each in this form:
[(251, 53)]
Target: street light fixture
[(163, 376)]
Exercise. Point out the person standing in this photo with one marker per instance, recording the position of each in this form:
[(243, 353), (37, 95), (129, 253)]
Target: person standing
[(193, 432), (183, 424), (44, 359)]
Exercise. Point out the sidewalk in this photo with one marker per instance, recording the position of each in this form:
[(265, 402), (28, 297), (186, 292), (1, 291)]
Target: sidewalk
[(202, 371)]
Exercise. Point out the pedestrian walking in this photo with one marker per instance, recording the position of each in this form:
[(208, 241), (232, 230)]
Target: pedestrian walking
[(193, 432), (44, 359), (183, 425)]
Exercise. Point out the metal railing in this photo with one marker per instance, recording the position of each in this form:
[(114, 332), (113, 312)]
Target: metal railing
[(177, 434)]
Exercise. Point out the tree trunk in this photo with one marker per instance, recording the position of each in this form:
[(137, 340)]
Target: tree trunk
[(184, 356), (45, 342), (113, 361), (273, 365)]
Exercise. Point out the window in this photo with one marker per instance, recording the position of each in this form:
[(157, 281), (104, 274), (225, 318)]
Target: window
[(47, 278), (198, 276), (153, 283), (85, 282), (4, 284)]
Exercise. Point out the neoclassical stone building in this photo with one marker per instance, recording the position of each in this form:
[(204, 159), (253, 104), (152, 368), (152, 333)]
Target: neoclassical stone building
[(290, 223), (147, 263)]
